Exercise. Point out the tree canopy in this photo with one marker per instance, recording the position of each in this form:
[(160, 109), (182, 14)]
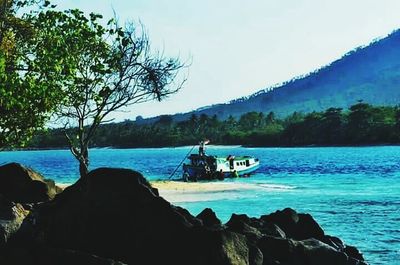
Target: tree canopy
[(333, 126), (105, 68), (29, 78)]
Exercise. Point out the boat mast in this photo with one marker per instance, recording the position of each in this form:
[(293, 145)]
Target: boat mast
[(173, 173)]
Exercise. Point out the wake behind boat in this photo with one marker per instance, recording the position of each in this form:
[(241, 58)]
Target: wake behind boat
[(209, 167)]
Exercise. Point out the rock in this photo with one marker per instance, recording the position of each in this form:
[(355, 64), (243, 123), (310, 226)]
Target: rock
[(235, 248), (275, 249), (114, 216), (353, 252), (334, 242), (307, 252), (113, 213), (296, 226), (240, 224), (307, 227), (11, 218), (50, 256), (286, 219), (255, 256), (271, 229), (185, 213), (209, 217), (23, 185), (314, 252), (218, 247)]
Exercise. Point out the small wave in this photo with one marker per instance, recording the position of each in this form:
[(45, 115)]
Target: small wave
[(378, 203), (391, 241), (277, 187), (379, 251)]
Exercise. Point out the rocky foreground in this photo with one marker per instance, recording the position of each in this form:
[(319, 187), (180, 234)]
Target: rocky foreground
[(114, 216)]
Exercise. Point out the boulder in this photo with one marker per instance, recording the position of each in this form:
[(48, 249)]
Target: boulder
[(51, 256), (11, 217), (113, 213), (218, 247), (353, 252), (209, 217), (294, 225), (241, 224), (334, 242), (23, 185), (255, 256), (315, 252), (276, 249), (302, 252), (114, 216), (271, 229), (286, 219), (307, 227)]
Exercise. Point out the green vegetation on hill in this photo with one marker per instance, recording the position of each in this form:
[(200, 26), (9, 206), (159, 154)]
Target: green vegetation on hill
[(371, 73), (360, 124)]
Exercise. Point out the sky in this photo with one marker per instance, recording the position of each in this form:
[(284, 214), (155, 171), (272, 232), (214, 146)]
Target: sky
[(237, 47)]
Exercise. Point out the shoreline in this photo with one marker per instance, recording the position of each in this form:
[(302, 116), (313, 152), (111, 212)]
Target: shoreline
[(216, 145), (178, 192)]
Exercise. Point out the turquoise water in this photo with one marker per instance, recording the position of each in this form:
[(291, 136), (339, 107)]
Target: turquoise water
[(353, 192)]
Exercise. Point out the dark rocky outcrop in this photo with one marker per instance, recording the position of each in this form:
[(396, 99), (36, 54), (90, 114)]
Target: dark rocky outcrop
[(37, 255), (114, 216), (21, 184), (209, 218), (296, 226), (11, 217), (20, 189)]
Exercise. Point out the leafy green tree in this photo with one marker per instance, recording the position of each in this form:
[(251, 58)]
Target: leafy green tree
[(230, 123), (332, 124), (29, 75), (251, 120), (382, 128), (108, 68), (360, 120), (270, 118), (397, 118)]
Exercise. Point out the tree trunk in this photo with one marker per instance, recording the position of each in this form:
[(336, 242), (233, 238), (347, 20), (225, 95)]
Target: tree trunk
[(84, 162), (83, 169)]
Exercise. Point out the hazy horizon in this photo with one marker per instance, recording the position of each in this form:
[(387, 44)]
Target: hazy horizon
[(238, 48)]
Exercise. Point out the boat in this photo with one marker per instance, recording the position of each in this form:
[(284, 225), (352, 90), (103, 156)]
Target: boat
[(209, 167)]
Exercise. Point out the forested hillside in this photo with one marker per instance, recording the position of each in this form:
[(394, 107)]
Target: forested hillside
[(370, 73)]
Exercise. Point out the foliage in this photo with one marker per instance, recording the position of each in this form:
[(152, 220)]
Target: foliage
[(105, 68), (361, 124), (29, 77)]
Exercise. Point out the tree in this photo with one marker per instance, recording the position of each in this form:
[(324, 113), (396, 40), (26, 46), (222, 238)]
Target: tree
[(270, 118), (108, 68), (360, 121), (28, 80), (251, 120), (332, 126)]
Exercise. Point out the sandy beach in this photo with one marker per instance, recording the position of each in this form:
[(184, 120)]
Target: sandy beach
[(178, 191), (180, 186)]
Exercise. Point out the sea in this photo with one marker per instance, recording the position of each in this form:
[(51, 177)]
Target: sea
[(352, 192)]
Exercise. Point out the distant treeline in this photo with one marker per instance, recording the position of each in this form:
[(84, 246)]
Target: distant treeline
[(360, 124)]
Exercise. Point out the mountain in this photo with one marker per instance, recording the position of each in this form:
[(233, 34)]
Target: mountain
[(370, 73)]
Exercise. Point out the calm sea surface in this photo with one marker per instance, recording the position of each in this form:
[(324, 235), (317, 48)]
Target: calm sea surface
[(353, 192)]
